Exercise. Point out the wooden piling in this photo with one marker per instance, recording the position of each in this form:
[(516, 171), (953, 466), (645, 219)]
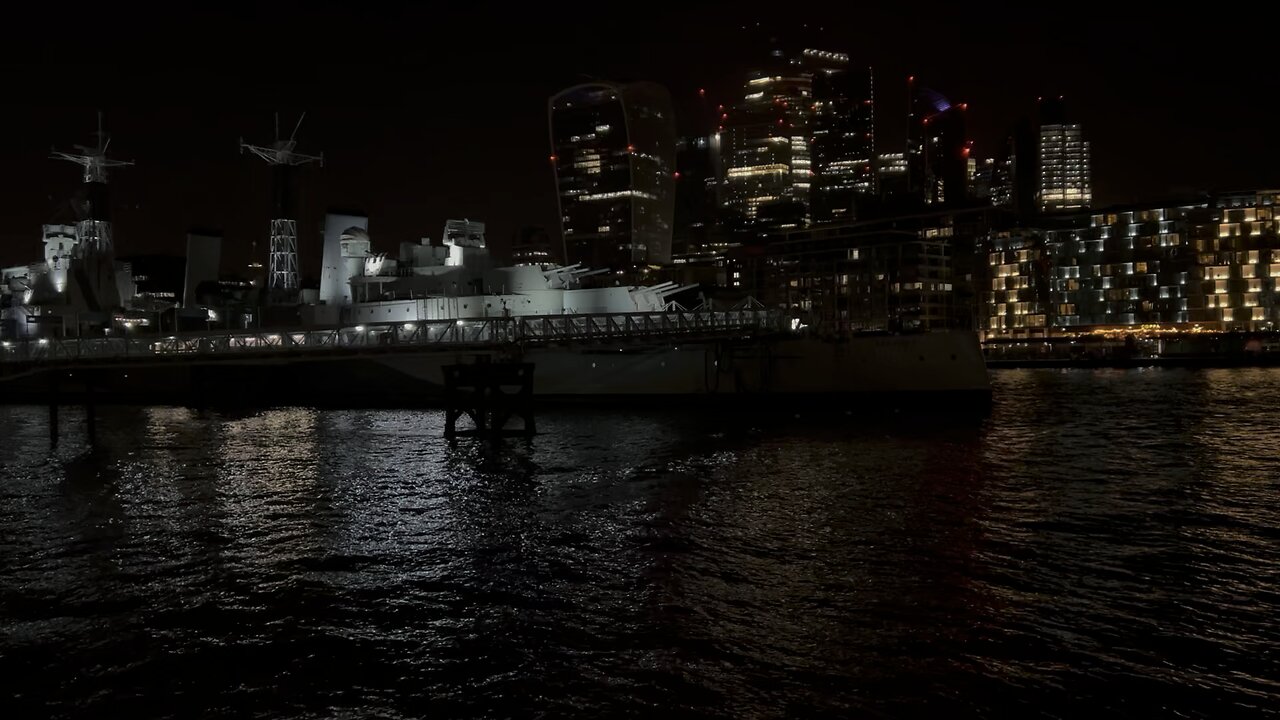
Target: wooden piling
[(489, 394), (90, 410), (53, 409)]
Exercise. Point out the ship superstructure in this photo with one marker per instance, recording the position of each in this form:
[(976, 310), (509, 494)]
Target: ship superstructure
[(79, 284), (457, 280)]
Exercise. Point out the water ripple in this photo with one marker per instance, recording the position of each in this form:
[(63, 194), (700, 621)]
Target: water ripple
[(1104, 542)]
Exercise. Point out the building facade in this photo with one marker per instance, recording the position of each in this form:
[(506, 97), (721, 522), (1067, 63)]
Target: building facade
[(891, 174), (799, 145), (902, 273), (1065, 182), (613, 150), (1211, 266), (981, 178), (531, 245), (843, 135), (766, 138)]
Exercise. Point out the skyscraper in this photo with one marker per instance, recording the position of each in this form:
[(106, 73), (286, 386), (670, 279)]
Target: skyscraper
[(799, 146), (1014, 181), (982, 178), (613, 156), (937, 147), (766, 137), (698, 189), (1064, 161), (843, 131), (891, 174)]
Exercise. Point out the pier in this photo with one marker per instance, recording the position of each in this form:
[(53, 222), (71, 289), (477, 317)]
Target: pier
[(493, 333), (331, 366)]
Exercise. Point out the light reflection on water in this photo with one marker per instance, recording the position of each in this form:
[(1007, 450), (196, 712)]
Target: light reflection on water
[(1104, 541)]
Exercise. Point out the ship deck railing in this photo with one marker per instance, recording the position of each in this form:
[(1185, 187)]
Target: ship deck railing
[(474, 333)]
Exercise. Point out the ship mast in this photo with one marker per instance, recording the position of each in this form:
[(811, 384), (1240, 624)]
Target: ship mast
[(282, 270), (94, 228)]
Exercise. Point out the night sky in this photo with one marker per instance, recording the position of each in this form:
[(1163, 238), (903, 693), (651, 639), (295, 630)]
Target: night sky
[(425, 114)]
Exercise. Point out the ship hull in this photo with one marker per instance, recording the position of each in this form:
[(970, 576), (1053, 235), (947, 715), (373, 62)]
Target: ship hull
[(901, 368), (928, 362)]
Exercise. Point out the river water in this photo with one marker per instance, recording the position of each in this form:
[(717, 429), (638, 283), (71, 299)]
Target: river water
[(1103, 542)]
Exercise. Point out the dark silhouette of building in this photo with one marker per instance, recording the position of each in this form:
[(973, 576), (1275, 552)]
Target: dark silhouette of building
[(892, 178), (613, 155), (937, 148), (982, 175), (698, 190), (531, 245), (1015, 178), (157, 278)]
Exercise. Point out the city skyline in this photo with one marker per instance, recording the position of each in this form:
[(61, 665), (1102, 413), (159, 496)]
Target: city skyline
[(409, 163)]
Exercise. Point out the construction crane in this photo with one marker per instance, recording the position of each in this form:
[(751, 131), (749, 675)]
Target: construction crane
[(282, 267)]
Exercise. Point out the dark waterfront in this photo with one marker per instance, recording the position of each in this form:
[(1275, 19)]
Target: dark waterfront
[(1104, 543)]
